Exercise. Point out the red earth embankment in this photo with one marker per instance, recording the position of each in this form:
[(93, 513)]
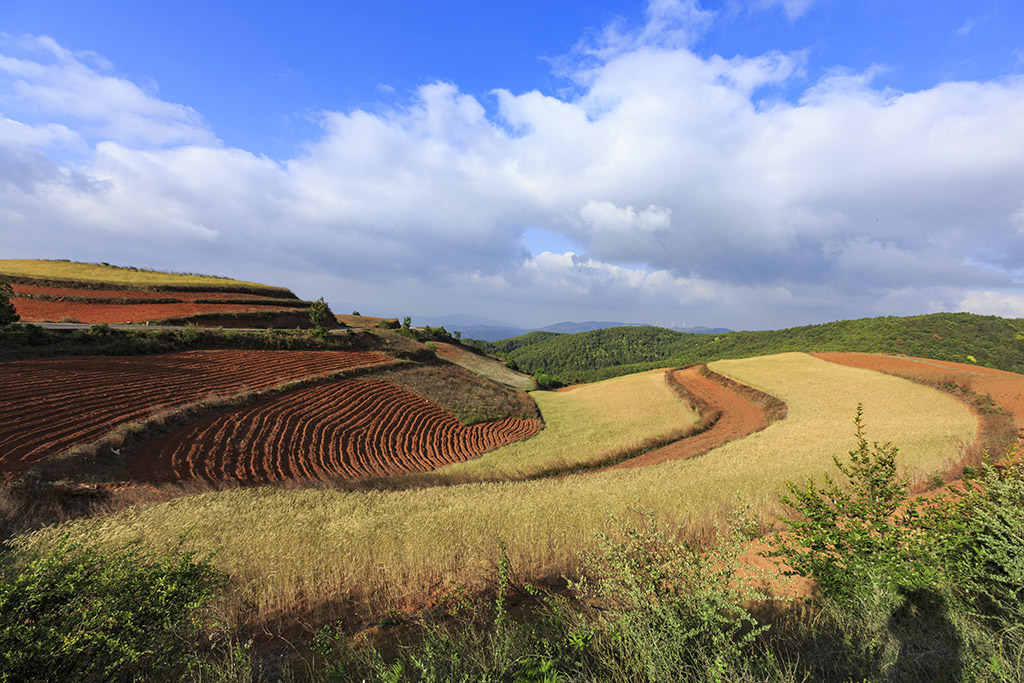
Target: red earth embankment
[(351, 428), (738, 416), (50, 405)]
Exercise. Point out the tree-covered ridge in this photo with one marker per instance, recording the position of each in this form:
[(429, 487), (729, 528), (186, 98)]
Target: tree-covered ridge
[(589, 356)]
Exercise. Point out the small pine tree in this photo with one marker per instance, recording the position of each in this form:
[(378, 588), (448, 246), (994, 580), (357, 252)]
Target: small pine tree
[(7, 313)]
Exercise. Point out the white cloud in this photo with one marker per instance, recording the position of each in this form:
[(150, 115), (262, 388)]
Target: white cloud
[(55, 82), (852, 200), (994, 303)]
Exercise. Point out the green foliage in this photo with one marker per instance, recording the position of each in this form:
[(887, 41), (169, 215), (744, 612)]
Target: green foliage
[(99, 329), (601, 354), (406, 323), (79, 613), (672, 609), (853, 536), (321, 317), (546, 382), (7, 313)]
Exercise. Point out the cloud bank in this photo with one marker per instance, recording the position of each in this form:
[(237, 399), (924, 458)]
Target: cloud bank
[(691, 194)]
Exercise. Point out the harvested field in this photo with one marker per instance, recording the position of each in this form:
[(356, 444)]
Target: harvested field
[(738, 416), (50, 405), (104, 275), (485, 365), (349, 429)]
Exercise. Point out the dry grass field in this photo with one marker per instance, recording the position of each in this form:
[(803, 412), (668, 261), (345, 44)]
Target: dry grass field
[(588, 424), (311, 550), (91, 272)]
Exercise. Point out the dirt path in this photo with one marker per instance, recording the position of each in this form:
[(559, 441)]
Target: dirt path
[(738, 416)]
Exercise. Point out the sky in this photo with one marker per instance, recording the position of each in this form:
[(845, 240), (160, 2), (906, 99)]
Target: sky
[(751, 164)]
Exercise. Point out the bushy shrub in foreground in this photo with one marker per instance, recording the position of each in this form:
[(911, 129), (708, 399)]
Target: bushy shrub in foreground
[(74, 613)]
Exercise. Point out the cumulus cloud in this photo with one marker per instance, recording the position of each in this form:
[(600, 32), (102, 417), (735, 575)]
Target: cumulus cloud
[(52, 81), (683, 191), (994, 303)]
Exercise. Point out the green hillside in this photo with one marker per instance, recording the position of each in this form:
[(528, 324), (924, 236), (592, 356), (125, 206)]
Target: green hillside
[(590, 356)]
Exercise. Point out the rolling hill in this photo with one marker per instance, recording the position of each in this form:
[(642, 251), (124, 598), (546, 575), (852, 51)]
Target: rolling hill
[(988, 341)]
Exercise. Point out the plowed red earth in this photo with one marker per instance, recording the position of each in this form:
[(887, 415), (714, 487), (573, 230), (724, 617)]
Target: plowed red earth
[(35, 310), (739, 416), (50, 405), (130, 293), (1005, 388), (352, 428)]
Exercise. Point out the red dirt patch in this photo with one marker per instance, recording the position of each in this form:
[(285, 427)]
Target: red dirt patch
[(37, 290), (738, 417), (352, 428), (36, 310), (50, 405)]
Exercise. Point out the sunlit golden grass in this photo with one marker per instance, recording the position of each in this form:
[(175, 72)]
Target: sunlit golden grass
[(285, 548), (588, 424), (91, 272)]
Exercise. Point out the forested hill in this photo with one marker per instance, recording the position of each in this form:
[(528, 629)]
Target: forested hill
[(590, 356)]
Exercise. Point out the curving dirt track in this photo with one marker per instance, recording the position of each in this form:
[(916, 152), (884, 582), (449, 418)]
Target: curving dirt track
[(738, 416), (49, 405), (352, 428), (1005, 388)]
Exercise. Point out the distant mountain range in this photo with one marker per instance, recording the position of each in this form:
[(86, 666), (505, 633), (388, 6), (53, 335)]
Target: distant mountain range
[(475, 327)]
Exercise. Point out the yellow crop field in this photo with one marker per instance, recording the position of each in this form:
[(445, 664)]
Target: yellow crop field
[(91, 272), (316, 546), (588, 424)]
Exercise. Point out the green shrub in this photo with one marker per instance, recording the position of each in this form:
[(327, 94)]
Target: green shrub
[(853, 537), (671, 609), (99, 329), (321, 317), (7, 313), (79, 613)]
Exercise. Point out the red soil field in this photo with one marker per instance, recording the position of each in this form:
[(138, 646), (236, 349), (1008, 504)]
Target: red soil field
[(34, 310), (21, 290), (352, 428), (1005, 388), (739, 416), (49, 405)]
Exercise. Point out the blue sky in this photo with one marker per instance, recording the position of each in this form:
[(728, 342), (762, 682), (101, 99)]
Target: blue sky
[(746, 163)]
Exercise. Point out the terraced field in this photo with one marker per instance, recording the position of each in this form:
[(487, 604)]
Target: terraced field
[(55, 291), (50, 405), (348, 429), (402, 544)]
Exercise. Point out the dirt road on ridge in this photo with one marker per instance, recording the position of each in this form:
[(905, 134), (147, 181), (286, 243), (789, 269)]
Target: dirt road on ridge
[(739, 416)]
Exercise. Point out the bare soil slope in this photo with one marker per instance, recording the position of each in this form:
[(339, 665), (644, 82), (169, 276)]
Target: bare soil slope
[(346, 429), (50, 405)]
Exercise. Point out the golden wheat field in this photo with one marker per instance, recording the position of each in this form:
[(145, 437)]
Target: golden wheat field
[(315, 547), (591, 423), (93, 272)]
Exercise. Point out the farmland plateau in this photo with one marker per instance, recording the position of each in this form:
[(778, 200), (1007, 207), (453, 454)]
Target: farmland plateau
[(361, 493)]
